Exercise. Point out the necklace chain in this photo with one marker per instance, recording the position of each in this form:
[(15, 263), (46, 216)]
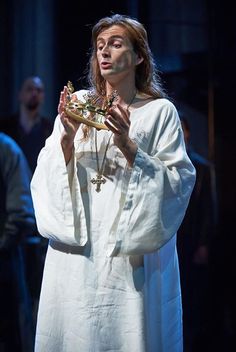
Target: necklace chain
[(99, 180), (132, 100), (101, 170)]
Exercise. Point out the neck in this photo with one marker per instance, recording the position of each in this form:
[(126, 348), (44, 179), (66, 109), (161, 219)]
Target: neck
[(28, 118), (126, 94)]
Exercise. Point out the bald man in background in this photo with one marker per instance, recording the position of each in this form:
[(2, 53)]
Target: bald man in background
[(27, 126)]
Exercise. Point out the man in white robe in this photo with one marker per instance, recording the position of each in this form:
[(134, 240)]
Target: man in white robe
[(111, 277)]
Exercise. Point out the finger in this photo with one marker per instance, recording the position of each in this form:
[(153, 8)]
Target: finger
[(111, 127), (122, 115), (60, 107), (63, 117), (118, 121), (64, 94), (62, 100)]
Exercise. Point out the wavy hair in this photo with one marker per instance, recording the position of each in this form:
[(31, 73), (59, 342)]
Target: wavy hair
[(147, 79)]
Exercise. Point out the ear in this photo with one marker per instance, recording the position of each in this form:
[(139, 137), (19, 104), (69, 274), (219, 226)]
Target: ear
[(139, 59)]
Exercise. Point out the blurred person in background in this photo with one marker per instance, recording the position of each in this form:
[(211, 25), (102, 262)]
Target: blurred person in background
[(17, 221), (29, 128), (194, 242)]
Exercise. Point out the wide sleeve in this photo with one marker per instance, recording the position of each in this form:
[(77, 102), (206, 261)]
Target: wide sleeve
[(161, 182), (56, 196), (17, 218)]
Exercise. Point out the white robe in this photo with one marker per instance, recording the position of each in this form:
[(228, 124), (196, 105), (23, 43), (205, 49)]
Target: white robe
[(111, 277)]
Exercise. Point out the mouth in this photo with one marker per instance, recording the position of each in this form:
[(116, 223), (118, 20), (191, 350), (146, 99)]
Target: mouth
[(105, 65)]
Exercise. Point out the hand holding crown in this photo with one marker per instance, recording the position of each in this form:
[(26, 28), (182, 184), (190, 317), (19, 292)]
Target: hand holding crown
[(90, 112)]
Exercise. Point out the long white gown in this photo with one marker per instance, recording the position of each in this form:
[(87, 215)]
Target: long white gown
[(111, 277)]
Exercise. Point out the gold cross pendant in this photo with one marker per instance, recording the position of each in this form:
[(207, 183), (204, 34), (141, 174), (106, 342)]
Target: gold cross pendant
[(98, 181)]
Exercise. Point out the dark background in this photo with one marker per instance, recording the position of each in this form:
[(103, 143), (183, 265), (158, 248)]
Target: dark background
[(194, 44)]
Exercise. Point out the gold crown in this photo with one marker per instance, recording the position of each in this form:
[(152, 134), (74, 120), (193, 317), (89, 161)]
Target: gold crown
[(92, 111)]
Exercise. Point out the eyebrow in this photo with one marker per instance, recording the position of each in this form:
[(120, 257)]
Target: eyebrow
[(112, 37)]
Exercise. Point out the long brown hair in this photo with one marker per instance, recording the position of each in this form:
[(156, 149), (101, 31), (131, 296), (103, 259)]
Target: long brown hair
[(147, 79)]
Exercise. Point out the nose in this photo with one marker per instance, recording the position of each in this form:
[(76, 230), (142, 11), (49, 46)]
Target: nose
[(105, 51), (37, 90)]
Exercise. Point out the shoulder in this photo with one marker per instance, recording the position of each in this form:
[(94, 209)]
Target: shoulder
[(158, 117), (158, 105), (9, 144), (12, 158), (11, 154), (161, 111), (5, 139), (165, 105)]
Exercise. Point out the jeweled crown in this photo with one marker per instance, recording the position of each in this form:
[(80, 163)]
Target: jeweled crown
[(92, 110)]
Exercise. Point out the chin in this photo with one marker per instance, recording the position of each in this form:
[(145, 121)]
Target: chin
[(33, 106), (107, 73)]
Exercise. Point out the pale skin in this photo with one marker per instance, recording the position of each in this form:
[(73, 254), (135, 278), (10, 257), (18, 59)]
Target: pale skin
[(117, 61)]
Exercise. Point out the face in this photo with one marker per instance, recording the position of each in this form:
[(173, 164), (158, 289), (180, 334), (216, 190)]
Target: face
[(115, 54), (32, 93)]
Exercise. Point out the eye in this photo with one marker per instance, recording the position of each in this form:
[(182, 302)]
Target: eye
[(117, 45), (99, 47)]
